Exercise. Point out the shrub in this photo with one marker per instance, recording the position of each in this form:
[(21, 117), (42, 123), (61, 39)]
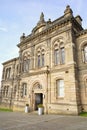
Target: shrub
[(27, 105), (40, 106)]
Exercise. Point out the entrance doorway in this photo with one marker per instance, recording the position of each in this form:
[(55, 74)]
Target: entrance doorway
[(38, 100)]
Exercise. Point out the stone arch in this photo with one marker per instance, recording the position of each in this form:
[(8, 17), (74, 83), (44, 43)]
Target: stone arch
[(26, 53), (85, 79), (33, 83), (36, 89), (57, 41), (37, 85), (40, 54), (58, 51), (82, 47), (82, 44), (40, 48)]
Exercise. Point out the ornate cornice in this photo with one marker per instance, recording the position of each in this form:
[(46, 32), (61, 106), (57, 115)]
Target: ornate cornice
[(83, 32), (55, 25), (14, 59), (34, 73)]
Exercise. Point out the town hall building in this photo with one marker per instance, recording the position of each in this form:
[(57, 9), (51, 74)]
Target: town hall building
[(51, 68)]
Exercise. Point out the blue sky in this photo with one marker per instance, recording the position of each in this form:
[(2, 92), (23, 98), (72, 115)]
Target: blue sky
[(18, 16)]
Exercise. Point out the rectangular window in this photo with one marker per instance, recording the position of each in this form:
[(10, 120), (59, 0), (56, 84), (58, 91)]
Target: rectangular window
[(62, 55), (56, 55), (60, 88), (24, 89)]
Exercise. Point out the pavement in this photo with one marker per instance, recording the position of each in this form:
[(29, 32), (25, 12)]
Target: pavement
[(27, 121)]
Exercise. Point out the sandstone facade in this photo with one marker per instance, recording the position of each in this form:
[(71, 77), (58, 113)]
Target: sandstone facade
[(51, 68)]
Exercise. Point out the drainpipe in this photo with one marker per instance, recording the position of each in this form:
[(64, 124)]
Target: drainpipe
[(47, 91)]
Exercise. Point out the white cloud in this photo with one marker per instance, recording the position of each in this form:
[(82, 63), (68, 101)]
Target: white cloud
[(3, 29)]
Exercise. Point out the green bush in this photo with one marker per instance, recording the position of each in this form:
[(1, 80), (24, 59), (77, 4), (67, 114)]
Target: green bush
[(40, 106), (27, 105), (83, 114), (6, 109)]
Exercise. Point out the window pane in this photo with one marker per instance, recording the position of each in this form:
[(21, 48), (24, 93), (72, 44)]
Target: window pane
[(62, 55), (24, 90), (38, 60), (85, 53), (42, 59), (60, 88), (8, 73), (56, 55), (26, 65)]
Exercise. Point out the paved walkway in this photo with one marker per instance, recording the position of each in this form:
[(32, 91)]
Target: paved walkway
[(23, 121)]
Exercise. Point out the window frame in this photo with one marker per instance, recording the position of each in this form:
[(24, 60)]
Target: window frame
[(39, 61), (24, 90), (59, 89), (59, 54), (26, 65), (85, 53), (62, 50), (42, 59)]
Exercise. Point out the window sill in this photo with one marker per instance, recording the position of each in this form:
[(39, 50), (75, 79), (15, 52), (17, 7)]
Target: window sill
[(59, 64), (61, 98)]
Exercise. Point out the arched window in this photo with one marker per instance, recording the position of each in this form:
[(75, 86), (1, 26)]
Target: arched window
[(39, 61), (17, 68), (40, 58), (8, 73), (62, 52), (15, 90), (26, 65), (24, 90), (56, 57), (59, 54), (26, 62), (3, 91), (6, 91), (85, 81), (85, 53), (60, 88)]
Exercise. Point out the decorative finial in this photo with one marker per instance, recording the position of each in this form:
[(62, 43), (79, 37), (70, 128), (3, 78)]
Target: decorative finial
[(42, 17), (22, 37), (41, 21), (68, 11)]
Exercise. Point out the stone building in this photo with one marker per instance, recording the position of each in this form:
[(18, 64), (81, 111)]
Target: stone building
[(51, 68)]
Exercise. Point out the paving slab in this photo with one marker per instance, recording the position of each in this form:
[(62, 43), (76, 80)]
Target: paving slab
[(27, 121)]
